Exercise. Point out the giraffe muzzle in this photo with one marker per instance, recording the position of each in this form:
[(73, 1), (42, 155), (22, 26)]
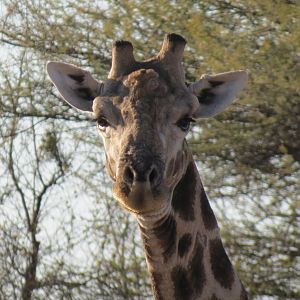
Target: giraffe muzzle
[(139, 186)]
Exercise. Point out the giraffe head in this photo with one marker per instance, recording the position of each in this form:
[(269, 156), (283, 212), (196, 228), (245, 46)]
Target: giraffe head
[(143, 112)]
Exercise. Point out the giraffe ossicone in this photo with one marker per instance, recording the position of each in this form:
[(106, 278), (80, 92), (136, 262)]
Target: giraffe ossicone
[(143, 111)]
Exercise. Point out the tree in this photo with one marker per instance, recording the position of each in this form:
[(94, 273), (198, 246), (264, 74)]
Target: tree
[(62, 236)]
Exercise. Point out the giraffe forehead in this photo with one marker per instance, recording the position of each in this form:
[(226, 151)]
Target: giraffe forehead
[(155, 109), (145, 92)]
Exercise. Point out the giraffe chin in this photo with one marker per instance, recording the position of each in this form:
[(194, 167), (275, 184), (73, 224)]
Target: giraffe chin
[(140, 198)]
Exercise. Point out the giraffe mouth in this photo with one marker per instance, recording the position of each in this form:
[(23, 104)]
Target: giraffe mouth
[(140, 198)]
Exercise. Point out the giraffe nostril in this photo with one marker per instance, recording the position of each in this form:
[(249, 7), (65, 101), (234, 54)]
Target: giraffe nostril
[(128, 175), (154, 176), (142, 174)]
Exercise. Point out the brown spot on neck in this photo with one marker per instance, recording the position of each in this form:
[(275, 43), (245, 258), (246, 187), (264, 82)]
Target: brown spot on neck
[(184, 194), (189, 282), (197, 271), (220, 264), (207, 213), (184, 244), (182, 287)]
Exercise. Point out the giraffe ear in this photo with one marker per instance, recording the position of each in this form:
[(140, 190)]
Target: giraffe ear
[(76, 86), (216, 92)]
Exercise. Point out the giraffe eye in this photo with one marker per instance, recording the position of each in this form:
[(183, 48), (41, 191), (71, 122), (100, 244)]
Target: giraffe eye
[(184, 123), (102, 123)]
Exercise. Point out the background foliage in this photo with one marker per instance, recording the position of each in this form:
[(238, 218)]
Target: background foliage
[(62, 235)]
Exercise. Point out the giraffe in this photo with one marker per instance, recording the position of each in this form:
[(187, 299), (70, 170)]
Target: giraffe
[(143, 112)]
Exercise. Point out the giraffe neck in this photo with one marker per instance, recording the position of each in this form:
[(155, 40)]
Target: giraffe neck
[(183, 248)]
